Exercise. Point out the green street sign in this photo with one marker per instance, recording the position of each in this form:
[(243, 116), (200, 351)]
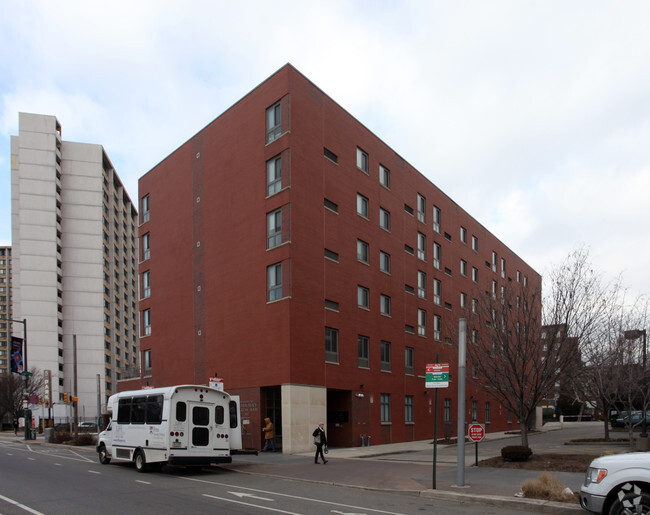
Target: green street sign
[(27, 374)]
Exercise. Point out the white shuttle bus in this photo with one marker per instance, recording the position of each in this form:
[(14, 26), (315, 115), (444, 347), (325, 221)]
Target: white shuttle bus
[(179, 425)]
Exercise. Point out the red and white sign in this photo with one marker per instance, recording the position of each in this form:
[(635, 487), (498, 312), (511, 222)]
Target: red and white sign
[(476, 432), (216, 382)]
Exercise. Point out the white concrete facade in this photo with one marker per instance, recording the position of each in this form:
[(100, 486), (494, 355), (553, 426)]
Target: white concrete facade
[(74, 233)]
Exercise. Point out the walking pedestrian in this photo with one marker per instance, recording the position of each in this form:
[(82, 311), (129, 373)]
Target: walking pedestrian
[(269, 435), (320, 440), (15, 426)]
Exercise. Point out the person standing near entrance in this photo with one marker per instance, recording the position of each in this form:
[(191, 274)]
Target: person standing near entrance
[(269, 435), (320, 440)]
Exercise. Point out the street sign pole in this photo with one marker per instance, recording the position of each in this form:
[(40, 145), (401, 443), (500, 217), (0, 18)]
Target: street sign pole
[(435, 433), (437, 376)]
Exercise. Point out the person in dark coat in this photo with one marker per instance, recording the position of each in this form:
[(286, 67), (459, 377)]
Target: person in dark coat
[(320, 440)]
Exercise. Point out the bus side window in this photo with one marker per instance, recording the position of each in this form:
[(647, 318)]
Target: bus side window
[(124, 411), (154, 409), (233, 414), (138, 410), (181, 411), (218, 415)]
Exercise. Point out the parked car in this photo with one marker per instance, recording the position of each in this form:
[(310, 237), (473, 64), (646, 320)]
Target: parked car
[(634, 418), (88, 426), (617, 484)]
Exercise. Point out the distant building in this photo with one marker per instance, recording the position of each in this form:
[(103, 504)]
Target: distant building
[(288, 250), (74, 237), (5, 309)]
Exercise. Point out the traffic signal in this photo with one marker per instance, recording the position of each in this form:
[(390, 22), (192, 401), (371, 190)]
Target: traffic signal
[(73, 398), (65, 397)]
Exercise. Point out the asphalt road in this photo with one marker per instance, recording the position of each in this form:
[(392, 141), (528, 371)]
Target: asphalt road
[(48, 479)]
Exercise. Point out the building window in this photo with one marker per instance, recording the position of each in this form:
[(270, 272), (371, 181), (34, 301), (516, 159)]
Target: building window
[(474, 336), (503, 268), (331, 255), (384, 219), (463, 267), (385, 407), (422, 208), (447, 411), (463, 300), (487, 412), (422, 322), (525, 281), (273, 122), (277, 227), (362, 160), (437, 323), (437, 291), (146, 321), (494, 261), (332, 206), (145, 247), (494, 290), (144, 208), (385, 356), (385, 304), (475, 274), (408, 361), (475, 243), (463, 234), (363, 345), (331, 345), (363, 297), (146, 284), (330, 155), (362, 251), (331, 305), (422, 285), (274, 282), (436, 219), (384, 261), (273, 175), (384, 176), (408, 409), (436, 255), (518, 276), (474, 306), (422, 246), (146, 359), (474, 411), (362, 205)]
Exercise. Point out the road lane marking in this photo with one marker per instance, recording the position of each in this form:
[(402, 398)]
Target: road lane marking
[(31, 459), (143, 482), (249, 504), (82, 457), (300, 498), (252, 496), (22, 506), (94, 472)]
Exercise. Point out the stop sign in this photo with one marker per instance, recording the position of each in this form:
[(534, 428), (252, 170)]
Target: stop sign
[(476, 432)]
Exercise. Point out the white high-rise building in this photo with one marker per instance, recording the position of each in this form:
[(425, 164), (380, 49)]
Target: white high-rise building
[(74, 238)]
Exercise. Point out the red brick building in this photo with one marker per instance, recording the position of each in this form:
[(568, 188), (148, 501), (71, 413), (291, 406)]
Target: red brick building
[(288, 250)]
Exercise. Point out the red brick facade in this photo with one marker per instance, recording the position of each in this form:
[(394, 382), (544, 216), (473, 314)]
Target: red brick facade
[(209, 303)]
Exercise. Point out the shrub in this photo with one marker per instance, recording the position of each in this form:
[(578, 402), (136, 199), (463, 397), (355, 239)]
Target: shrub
[(547, 487), (516, 453), (64, 437)]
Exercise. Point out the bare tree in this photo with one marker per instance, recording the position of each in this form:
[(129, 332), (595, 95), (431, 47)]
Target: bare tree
[(522, 345), (12, 391)]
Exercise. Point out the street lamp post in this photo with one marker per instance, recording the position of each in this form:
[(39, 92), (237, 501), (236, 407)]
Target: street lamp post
[(633, 334), (25, 375)]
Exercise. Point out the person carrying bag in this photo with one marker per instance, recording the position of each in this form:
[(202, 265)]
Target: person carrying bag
[(320, 441)]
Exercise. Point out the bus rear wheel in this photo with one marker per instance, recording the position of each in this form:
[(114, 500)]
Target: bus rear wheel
[(140, 461)]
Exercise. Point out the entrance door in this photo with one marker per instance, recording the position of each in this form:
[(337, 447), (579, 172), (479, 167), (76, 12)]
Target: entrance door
[(201, 426)]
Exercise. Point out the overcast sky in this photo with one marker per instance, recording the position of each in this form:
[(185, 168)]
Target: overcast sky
[(533, 116)]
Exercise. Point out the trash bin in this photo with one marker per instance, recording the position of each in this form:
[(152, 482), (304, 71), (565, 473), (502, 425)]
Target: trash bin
[(32, 434), (47, 433)]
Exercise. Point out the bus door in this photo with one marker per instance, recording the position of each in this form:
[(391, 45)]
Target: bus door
[(201, 426)]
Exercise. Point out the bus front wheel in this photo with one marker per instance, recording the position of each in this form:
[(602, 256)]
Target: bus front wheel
[(140, 461), (103, 456)]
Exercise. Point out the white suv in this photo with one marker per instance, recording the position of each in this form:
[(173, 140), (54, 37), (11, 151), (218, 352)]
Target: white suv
[(618, 484)]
